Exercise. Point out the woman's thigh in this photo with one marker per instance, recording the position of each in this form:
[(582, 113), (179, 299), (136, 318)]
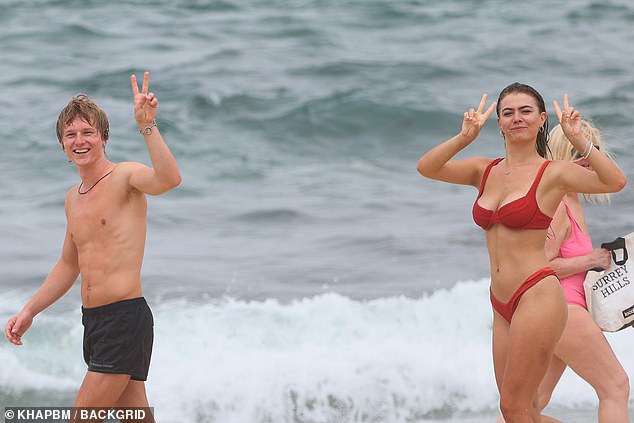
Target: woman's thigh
[(537, 325)]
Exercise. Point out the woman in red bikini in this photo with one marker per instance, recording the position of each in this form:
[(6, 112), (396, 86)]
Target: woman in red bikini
[(518, 195)]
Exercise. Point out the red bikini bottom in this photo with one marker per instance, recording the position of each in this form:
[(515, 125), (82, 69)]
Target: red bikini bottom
[(507, 309)]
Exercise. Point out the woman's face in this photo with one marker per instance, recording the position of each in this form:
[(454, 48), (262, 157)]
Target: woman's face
[(520, 117)]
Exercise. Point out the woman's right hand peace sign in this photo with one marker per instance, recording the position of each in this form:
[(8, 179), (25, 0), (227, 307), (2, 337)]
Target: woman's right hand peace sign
[(569, 118), (474, 119)]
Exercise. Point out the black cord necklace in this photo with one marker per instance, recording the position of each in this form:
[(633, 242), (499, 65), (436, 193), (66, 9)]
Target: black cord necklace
[(93, 185)]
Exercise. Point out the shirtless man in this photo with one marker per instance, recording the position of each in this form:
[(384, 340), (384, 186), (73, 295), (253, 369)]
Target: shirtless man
[(105, 240)]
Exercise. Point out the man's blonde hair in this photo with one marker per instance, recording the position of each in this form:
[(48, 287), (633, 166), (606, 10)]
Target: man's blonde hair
[(82, 106)]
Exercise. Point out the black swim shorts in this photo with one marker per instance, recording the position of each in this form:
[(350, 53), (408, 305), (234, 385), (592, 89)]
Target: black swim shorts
[(118, 338)]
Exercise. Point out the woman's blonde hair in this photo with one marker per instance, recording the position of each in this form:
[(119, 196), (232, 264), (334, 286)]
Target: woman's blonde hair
[(562, 149)]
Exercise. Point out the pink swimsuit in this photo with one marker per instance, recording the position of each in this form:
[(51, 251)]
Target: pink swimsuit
[(577, 244)]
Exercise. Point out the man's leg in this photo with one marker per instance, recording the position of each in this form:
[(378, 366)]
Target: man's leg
[(100, 390), (134, 396)]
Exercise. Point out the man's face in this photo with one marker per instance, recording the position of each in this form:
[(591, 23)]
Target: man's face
[(82, 142)]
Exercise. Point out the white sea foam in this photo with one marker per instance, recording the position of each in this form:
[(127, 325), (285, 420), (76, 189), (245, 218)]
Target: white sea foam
[(327, 358)]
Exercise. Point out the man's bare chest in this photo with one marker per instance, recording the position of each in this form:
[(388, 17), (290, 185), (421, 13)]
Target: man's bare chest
[(92, 220)]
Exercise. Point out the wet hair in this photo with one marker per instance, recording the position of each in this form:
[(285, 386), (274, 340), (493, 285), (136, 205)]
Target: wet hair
[(83, 107), (542, 135), (561, 149)]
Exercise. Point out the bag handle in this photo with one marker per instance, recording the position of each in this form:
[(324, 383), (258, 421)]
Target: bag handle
[(617, 244)]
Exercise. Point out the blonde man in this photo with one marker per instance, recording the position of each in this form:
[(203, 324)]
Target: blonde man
[(105, 242)]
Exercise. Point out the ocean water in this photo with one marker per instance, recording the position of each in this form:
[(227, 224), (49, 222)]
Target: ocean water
[(303, 272)]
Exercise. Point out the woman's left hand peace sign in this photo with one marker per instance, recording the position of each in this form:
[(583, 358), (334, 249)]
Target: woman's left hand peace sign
[(569, 118), (145, 105)]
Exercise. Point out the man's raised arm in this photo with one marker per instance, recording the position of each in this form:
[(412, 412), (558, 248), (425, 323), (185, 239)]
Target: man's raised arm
[(164, 174)]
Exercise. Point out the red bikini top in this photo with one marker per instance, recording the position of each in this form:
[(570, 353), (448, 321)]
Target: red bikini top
[(523, 213)]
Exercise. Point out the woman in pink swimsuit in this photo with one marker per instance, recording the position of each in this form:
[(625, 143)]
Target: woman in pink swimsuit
[(582, 346), (518, 195)]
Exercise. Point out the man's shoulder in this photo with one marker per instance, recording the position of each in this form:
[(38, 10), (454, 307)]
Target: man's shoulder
[(123, 172), (128, 167)]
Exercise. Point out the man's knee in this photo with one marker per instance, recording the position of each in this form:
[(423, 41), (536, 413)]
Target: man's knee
[(511, 414), (513, 409)]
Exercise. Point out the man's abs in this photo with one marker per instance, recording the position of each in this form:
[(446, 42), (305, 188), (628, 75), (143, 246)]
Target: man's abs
[(107, 289)]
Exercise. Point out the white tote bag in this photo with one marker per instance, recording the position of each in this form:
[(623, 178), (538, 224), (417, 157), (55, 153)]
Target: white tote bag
[(609, 292)]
